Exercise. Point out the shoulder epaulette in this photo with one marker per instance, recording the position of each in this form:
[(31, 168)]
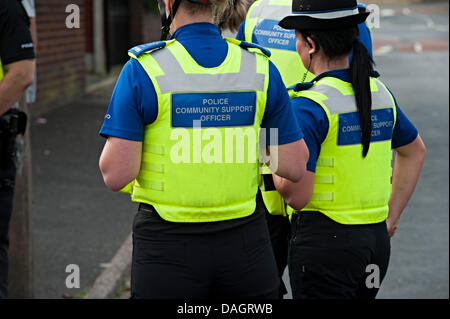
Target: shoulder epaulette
[(301, 86), (374, 74), (362, 5), (138, 50), (247, 45)]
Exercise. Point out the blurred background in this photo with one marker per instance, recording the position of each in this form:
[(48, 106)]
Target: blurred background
[(74, 219)]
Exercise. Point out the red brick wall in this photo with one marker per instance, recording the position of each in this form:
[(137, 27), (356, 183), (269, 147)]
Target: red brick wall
[(136, 9), (144, 27), (61, 65), (151, 27), (89, 20), (60, 56)]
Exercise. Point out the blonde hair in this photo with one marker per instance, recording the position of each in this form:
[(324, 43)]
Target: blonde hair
[(228, 14)]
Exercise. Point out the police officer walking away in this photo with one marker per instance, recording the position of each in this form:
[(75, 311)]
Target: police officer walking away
[(261, 27), (16, 74), (346, 207), (199, 232)]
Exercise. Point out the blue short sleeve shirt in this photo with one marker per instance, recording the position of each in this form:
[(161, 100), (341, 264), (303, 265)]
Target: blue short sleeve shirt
[(314, 122), (134, 102)]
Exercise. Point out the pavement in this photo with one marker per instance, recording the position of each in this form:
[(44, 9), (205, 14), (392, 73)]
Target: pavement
[(77, 220)]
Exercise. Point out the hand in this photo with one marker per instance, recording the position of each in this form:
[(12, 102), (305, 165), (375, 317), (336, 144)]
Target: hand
[(391, 227)]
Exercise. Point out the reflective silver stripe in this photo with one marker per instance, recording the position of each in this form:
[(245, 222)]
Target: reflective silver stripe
[(382, 98), (340, 103), (336, 102), (328, 15), (272, 12), (175, 80)]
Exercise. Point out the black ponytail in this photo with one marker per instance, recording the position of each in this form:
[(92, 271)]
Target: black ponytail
[(360, 70), (336, 43)]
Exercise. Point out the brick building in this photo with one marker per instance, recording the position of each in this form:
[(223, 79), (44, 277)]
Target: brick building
[(108, 28)]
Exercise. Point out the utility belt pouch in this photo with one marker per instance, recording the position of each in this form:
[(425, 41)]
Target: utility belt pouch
[(12, 123)]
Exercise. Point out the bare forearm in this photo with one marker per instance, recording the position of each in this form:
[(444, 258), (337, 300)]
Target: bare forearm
[(289, 161), (283, 187), (114, 176), (406, 173), (296, 195), (120, 162), (11, 89), (15, 82)]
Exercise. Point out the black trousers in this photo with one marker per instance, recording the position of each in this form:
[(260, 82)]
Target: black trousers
[(235, 262), (7, 179), (328, 260), (280, 231)]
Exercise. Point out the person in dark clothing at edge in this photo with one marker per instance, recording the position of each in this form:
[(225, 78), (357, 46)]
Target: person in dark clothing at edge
[(16, 74)]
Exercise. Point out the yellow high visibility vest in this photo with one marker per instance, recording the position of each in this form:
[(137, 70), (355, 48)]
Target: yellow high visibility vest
[(2, 74), (348, 188), (261, 27), (193, 173)]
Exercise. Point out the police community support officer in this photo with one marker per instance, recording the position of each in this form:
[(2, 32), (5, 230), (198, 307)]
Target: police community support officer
[(198, 232), (261, 27), (351, 123), (16, 74)]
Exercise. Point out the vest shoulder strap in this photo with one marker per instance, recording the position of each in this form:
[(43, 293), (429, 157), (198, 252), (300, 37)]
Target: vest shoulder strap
[(301, 86), (147, 48), (297, 90), (248, 45)]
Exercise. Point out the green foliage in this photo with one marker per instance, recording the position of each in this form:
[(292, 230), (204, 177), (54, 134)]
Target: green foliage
[(82, 294), (151, 6)]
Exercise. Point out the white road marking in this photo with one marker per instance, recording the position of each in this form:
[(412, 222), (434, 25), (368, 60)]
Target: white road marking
[(418, 48), (387, 12), (385, 49)]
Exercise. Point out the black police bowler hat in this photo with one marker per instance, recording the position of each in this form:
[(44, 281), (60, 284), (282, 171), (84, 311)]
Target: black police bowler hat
[(324, 15)]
